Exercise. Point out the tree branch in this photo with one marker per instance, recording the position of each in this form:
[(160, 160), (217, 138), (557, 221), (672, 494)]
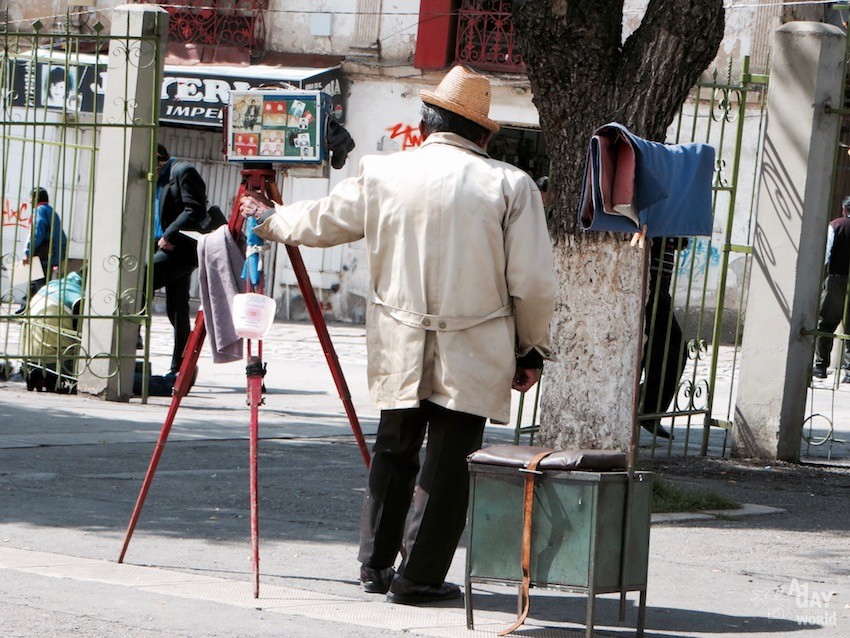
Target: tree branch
[(674, 36)]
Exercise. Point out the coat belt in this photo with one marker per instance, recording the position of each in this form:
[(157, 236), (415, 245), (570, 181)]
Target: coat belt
[(438, 323)]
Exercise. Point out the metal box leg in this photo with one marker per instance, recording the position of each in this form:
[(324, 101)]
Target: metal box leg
[(641, 613), (591, 611), (467, 600)]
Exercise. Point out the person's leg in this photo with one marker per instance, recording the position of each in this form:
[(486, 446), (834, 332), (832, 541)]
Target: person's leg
[(666, 358), (177, 308), (392, 476), (831, 308), (441, 496), (174, 272), (845, 345), (662, 360)]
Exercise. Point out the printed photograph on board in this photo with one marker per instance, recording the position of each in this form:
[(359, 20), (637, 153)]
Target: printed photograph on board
[(274, 112), (59, 88), (275, 126)]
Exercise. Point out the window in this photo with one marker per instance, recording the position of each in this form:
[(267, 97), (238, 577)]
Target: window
[(478, 33), (224, 23), (524, 148), (486, 38)]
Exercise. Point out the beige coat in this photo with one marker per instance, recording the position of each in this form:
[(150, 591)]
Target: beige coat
[(461, 271)]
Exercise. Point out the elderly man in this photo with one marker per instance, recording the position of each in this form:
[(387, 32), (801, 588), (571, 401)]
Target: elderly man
[(462, 294)]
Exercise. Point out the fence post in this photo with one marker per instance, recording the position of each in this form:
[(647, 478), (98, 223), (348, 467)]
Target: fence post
[(789, 239), (119, 249)]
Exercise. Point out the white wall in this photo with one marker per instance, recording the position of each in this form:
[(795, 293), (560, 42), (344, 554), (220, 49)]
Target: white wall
[(290, 27)]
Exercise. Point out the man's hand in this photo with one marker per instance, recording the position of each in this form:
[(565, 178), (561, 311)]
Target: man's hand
[(164, 244), (525, 378), (26, 261), (252, 204)]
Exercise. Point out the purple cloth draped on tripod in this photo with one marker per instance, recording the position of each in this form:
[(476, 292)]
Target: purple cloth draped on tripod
[(220, 261), (630, 182)]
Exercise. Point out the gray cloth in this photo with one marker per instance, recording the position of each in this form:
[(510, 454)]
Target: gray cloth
[(220, 262)]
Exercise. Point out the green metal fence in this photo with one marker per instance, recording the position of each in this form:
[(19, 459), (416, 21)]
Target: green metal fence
[(53, 87), (707, 279)]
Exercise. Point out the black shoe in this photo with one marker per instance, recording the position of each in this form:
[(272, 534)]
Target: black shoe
[(819, 372), (376, 581), (659, 430), (408, 592)]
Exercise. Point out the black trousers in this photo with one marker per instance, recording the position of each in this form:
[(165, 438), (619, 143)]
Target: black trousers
[(831, 311), (439, 497), (664, 357), (174, 271)]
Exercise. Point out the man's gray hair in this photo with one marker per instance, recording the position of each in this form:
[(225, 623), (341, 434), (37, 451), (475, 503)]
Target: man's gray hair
[(436, 119)]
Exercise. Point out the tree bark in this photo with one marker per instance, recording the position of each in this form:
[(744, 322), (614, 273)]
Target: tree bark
[(583, 76)]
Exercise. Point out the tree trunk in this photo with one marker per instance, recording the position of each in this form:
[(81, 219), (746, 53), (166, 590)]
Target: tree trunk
[(583, 76)]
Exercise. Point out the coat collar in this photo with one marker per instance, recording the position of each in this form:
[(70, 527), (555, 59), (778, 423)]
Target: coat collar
[(165, 173), (453, 139)]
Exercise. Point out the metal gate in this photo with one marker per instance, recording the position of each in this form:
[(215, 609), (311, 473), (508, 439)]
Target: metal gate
[(53, 87), (706, 279)]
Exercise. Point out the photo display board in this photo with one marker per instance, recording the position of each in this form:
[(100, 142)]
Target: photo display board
[(275, 126)]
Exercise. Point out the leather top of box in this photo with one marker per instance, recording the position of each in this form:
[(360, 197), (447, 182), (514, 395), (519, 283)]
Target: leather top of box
[(521, 455)]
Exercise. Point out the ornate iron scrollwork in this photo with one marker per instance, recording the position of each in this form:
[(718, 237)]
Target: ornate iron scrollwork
[(227, 23), (486, 38)]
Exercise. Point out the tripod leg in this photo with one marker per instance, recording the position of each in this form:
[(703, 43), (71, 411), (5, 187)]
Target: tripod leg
[(186, 374), (322, 332), (184, 381), (255, 372), (327, 346)]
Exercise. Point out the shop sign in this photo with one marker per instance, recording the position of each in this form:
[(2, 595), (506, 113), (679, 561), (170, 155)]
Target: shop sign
[(190, 95)]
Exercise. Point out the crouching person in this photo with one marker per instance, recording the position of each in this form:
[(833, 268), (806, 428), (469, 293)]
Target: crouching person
[(462, 294)]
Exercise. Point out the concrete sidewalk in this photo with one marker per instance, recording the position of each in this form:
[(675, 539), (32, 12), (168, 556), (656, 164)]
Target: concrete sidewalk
[(71, 467)]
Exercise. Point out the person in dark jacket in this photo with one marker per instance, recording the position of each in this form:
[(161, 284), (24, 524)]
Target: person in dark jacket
[(180, 204), (834, 291)]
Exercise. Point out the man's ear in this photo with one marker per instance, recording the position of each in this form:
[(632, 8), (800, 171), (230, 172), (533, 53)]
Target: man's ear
[(485, 140)]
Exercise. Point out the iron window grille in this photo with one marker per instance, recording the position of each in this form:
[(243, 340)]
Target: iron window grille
[(226, 23), (486, 38)]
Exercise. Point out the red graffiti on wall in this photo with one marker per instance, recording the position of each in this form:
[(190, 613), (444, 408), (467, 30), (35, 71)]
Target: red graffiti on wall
[(20, 217), (411, 137)]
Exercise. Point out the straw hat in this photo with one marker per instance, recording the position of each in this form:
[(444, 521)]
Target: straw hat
[(466, 93)]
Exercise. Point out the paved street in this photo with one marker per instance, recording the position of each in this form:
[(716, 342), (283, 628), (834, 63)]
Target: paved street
[(71, 468)]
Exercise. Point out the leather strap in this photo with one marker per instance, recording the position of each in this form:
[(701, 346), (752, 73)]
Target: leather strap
[(528, 501)]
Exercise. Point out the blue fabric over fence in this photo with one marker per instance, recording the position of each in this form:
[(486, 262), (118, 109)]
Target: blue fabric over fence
[(672, 187)]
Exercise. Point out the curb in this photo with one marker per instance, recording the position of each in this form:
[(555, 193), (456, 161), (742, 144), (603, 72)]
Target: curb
[(746, 510)]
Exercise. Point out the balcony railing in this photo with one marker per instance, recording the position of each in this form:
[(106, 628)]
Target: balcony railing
[(226, 23), (486, 38)]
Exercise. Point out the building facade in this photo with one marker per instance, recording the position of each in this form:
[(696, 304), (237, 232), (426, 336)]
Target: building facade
[(372, 58)]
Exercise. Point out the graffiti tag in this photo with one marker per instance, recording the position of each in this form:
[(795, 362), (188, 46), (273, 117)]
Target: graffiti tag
[(16, 217), (700, 256), (410, 135)]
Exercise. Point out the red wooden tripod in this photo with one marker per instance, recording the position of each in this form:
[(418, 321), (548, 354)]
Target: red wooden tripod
[(262, 181)]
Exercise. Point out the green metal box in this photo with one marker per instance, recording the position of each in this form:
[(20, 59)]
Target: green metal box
[(586, 535)]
